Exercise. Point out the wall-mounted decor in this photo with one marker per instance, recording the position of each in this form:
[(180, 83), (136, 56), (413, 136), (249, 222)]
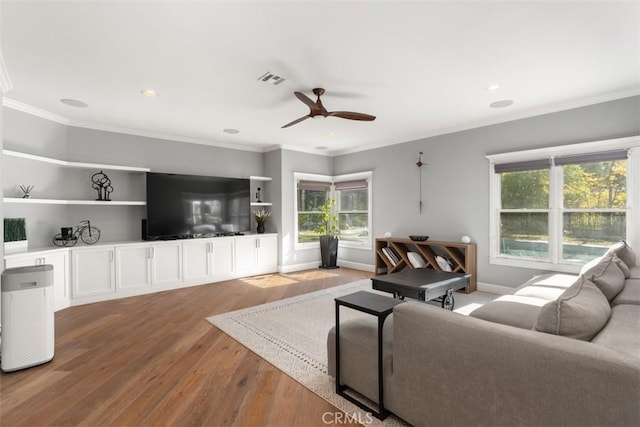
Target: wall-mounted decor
[(102, 184), (420, 164), (15, 235), (258, 197)]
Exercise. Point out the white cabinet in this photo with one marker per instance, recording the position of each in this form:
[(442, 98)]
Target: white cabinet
[(256, 254), (245, 255), (166, 263), (96, 273), (207, 259), (133, 270), (223, 258), (267, 254), (59, 259), (196, 260), (93, 271)]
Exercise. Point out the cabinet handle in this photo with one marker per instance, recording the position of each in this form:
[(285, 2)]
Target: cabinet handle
[(153, 252), (111, 256)]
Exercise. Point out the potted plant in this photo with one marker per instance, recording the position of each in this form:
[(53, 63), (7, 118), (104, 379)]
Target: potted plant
[(15, 235), (261, 217), (329, 236)]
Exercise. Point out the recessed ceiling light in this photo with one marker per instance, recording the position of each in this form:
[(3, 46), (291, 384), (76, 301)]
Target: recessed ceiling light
[(321, 147), (501, 104), (331, 134), (149, 92), (74, 103), (231, 131), (493, 87)]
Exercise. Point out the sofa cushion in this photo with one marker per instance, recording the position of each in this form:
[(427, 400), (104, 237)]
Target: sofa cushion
[(634, 272), (621, 332), (607, 276), (629, 295), (580, 312), (624, 252), (546, 286), (513, 310)]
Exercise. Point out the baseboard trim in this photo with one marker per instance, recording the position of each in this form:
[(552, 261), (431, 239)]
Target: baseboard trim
[(495, 289), (357, 266)]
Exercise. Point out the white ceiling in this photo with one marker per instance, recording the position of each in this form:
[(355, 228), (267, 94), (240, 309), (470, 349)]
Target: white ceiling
[(421, 67)]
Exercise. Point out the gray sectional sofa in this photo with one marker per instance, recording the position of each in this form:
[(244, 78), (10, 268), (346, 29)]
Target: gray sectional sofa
[(562, 350)]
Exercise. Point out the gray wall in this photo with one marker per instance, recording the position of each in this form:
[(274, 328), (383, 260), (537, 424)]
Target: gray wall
[(456, 179), (294, 161), (30, 134)]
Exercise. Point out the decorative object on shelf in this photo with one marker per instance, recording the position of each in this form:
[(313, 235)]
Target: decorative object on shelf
[(258, 198), (86, 232), (15, 235), (26, 189), (102, 184), (261, 217), (418, 238), (420, 164), (329, 236), (465, 239)]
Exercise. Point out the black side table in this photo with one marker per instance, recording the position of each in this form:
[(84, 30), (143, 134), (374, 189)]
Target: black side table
[(381, 307)]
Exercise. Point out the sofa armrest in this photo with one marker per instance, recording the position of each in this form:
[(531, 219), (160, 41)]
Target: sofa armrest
[(468, 371)]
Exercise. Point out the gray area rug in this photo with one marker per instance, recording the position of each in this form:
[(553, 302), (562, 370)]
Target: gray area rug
[(291, 334)]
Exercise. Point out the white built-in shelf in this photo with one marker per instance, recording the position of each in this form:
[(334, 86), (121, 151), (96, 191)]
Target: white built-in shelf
[(261, 178), (74, 164), (74, 202), (261, 204)]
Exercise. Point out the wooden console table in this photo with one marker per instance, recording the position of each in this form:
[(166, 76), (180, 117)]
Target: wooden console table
[(463, 256)]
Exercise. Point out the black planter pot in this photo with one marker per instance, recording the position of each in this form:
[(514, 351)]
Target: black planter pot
[(260, 229), (329, 251)]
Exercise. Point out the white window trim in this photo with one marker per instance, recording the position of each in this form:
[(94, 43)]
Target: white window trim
[(300, 176), (555, 262)]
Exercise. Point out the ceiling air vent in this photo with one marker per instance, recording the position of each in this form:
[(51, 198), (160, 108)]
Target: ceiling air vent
[(269, 77)]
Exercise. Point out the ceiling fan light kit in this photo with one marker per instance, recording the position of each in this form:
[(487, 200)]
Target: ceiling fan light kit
[(317, 110)]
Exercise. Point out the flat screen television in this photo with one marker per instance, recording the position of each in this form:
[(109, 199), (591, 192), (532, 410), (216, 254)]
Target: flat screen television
[(185, 206)]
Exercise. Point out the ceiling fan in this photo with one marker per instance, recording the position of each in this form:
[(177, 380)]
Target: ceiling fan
[(318, 111)]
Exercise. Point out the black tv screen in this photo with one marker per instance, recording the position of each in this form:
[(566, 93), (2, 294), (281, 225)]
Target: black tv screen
[(184, 206)]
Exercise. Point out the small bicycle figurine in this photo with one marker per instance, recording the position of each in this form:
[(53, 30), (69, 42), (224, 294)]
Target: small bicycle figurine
[(85, 231)]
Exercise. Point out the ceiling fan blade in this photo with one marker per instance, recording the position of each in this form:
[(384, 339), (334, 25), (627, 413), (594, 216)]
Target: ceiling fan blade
[(304, 98), (351, 115), (296, 121)]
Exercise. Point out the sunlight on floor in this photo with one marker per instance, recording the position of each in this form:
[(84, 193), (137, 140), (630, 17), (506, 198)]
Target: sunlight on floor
[(275, 280), (312, 275)]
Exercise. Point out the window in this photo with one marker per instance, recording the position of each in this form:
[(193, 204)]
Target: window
[(561, 209), (311, 195), (352, 194), (594, 195), (352, 200)]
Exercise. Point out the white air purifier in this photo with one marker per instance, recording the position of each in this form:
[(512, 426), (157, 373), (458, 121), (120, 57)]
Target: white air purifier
[(28, 331)]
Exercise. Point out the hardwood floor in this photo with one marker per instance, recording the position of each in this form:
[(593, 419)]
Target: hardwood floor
[(153, 360)]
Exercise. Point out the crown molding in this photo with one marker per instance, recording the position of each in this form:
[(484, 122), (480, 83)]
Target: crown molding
[(503, 119), (38, 112), (5, 81), (34, 111)]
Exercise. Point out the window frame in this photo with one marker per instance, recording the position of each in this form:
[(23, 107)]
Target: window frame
[(300, 176), (556, 207)]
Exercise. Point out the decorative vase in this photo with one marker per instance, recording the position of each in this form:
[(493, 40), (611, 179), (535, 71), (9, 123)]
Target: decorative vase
[(260, 228), (329, 252)]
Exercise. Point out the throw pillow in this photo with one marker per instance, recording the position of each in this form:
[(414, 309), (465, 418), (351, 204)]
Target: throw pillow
[(580, 312), (622, 266), (624, 252), (607, 276)]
